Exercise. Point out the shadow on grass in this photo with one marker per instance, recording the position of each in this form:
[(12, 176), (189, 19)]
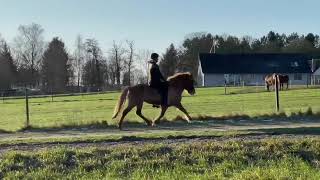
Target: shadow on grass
[(2, 131), (291, 131), (281, 115), (80, 127)]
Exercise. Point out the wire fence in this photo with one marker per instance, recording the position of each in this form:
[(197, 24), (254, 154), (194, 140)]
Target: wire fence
[(74, 109)]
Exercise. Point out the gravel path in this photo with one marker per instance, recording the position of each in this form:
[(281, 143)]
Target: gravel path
[(257, 125)]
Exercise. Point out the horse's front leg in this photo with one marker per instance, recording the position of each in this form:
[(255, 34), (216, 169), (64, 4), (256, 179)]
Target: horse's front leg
[(181, 108), (163, 111), (139, 113)]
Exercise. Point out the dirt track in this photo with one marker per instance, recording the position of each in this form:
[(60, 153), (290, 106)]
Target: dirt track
[(261, 127)]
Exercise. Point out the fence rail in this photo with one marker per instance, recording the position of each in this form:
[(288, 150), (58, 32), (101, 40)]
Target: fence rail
[(89, 108)]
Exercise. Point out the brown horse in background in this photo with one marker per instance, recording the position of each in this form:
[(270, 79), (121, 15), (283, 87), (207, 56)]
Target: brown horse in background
[(283, 79), (270, 80), (138, 94)]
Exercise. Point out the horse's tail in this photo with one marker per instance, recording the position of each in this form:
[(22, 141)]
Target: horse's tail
[(120, 103)]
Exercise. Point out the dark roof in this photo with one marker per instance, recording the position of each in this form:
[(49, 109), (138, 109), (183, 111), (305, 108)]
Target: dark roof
[(254, 63)]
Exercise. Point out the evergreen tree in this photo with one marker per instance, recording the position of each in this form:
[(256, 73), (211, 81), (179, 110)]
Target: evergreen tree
[(55, 67), (168, 64), (8, 69)]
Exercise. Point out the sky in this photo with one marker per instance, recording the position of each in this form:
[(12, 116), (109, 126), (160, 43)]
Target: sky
[(154, 24)]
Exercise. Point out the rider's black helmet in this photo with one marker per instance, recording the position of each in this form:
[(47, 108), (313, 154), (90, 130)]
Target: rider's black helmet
[(154, 56)]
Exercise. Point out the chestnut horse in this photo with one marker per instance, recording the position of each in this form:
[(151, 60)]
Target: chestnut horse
[(138, 94), (270, 81)]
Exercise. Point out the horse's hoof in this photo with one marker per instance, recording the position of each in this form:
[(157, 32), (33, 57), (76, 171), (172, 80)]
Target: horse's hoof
[(149, 124)]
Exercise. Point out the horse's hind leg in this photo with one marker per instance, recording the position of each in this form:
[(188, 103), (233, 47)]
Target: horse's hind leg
[(124, 113), (163, 111), (181, 108), (139, 113)]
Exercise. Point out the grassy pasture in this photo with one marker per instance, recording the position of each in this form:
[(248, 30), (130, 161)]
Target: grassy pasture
[(279, 158), (90, 109)]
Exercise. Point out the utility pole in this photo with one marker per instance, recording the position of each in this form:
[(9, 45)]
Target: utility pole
[(214, 45)]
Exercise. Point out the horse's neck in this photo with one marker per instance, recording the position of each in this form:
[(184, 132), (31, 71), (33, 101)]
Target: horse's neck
[(177, 90)]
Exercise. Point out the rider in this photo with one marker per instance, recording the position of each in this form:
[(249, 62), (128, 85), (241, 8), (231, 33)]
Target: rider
[(156, 79)]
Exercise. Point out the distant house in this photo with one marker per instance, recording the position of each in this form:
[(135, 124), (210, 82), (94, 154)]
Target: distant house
[(316, 76), (250, 69)]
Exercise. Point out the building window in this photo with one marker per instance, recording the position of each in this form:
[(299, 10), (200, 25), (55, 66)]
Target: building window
[(294, 64), (297, 76)]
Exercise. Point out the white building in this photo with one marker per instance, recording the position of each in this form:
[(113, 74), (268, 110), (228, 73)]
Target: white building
[(250, 69), (316, 76)]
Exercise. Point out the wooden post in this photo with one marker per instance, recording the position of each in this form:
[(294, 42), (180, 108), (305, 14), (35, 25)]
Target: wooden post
[(27, 106), (307, 81), (276, 79), (51, 95)]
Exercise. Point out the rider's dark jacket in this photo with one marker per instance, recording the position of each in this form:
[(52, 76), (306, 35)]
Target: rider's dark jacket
[(156, 79)]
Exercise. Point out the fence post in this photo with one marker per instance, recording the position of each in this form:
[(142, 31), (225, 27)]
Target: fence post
[(27, 107), (307, 81), (51, 95), (276, 79)]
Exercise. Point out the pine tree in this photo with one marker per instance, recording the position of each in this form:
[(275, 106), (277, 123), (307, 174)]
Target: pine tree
[(55, 67), (168, 64), (8, 68)]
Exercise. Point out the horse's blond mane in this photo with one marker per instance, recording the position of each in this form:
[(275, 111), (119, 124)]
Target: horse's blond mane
[(178, 75), (178, 79)]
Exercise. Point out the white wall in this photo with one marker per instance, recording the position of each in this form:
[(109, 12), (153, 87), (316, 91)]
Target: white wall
[(213, 79), (249, 79), (304, 81)]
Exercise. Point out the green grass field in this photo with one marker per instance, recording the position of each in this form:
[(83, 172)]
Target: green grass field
[(90, 109), (230, 159)]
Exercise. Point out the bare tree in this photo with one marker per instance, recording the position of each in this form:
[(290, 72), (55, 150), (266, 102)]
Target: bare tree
[(29, 46), (131, 55), (142, 63), (79, 58), (111, 70), (95, 67), (2, 41), (117, 53)]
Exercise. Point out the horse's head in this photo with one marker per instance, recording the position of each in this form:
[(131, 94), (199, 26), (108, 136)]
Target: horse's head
[(189, 84), (184, 81)]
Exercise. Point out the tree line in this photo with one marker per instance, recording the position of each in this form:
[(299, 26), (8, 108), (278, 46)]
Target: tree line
[(185, 57), (30, 61)]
